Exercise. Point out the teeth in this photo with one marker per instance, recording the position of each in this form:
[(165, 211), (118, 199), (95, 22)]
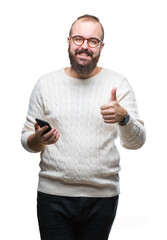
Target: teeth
[(83, 54)]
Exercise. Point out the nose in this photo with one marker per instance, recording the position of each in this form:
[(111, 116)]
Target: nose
[(85, 44)]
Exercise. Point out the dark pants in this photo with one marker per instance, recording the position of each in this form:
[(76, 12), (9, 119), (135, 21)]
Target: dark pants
[(75, 218)]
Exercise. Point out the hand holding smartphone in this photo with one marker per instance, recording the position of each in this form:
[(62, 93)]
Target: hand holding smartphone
[(43, 123)]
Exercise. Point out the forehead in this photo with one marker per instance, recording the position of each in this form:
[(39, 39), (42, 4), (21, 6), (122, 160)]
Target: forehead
[(87, 28)]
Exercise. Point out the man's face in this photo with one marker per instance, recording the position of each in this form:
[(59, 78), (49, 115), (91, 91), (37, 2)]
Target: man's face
[(84, 58)]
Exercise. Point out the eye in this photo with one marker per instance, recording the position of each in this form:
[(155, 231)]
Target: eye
[(93, 41), (78, 39)]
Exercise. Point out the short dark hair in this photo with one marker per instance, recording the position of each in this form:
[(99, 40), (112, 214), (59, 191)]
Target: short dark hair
[(88, 17)]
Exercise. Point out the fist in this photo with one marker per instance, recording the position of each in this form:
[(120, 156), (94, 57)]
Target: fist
[(112, 112)]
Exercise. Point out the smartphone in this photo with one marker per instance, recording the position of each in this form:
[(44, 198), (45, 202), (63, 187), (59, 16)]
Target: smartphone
[(43, 123)]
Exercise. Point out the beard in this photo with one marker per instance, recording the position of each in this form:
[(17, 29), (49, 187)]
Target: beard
[(83, 69)]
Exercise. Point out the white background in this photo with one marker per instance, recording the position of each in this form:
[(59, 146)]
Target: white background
[(33, 42)]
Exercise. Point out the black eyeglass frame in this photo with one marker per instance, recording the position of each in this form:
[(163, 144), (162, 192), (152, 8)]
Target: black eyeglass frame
[(99, 41)]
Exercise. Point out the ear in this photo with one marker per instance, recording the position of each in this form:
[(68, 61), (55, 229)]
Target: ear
[(68, 41), (101, 46)]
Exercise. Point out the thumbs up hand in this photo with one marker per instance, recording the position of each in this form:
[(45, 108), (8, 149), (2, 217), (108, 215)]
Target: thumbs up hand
[(112, 112)]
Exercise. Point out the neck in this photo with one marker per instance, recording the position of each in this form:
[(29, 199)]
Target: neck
[(74, 74)]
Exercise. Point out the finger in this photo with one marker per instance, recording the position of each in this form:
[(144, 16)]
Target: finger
[(42, 130), (54, 138), (109, 117), (110, 121), (113, 95), (36, 126), (52, 134), (106, 106), (107, 111), (49, 134)]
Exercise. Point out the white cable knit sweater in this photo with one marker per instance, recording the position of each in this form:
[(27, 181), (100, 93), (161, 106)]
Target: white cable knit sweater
[(85, 160)]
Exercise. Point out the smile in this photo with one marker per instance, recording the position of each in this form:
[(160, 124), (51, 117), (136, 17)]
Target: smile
[(83, 54)]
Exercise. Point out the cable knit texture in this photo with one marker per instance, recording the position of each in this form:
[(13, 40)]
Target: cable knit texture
[(85, 160)]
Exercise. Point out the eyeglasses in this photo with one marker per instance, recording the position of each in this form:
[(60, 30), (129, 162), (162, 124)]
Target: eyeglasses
[(92, 42)]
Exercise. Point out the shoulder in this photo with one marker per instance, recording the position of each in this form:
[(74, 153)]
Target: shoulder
[(52, 76), (117, 80), (112, 74), (46, 82)]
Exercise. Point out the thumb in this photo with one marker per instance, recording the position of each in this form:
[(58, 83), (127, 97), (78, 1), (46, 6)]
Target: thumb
[(36, 126), (113, 95)]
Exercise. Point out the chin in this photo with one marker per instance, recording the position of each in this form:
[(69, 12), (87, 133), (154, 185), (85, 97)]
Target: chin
[(83, 65), (83, 62)]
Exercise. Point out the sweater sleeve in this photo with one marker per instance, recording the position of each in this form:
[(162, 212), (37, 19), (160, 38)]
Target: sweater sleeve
[(35, 110), (132, 135)]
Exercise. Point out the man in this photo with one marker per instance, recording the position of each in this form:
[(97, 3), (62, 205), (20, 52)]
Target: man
[(87, 106)]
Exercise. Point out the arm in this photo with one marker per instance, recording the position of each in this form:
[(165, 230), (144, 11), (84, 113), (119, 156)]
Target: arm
[(32, 138), (132, 135)]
